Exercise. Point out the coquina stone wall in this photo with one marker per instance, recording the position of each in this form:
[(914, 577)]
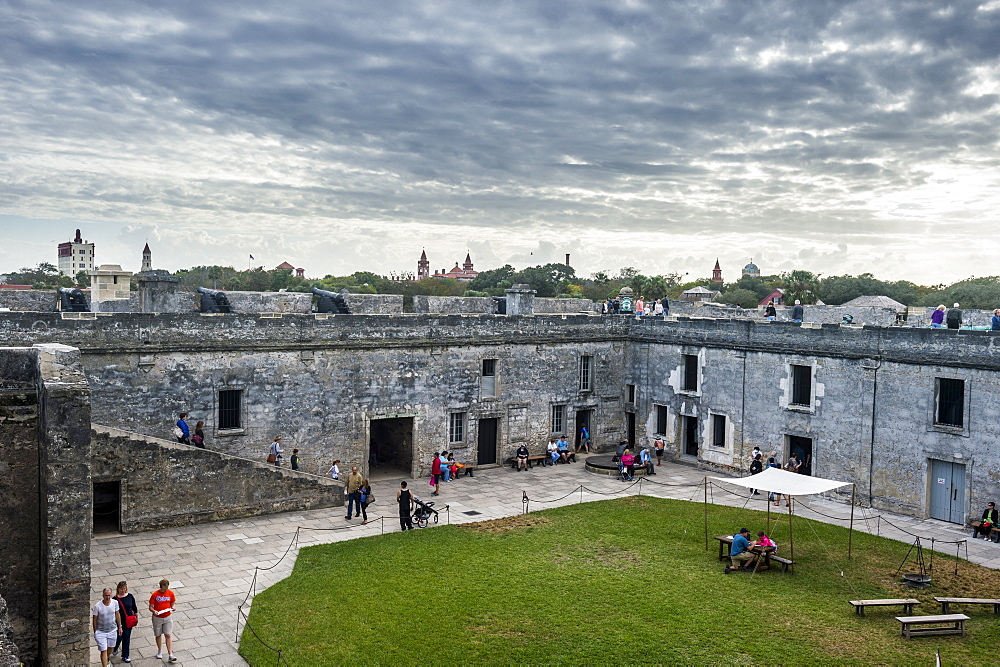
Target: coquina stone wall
[(204, 485), (46, 496), (8, 648), (37, 300)]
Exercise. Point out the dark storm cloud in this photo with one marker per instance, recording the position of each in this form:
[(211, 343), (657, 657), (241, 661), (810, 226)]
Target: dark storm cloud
[(740, 117)]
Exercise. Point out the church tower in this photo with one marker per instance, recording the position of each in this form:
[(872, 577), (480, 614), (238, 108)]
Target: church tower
[(467, 267), (423, 266), (717, 272), (147, 259)]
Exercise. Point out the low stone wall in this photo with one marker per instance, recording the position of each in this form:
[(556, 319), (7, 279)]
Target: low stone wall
[(38, 300), (880, 317), (8, 649), (373, 304), (454, 305), (550, 306), (921, 317), (165, 484), (269, 302)]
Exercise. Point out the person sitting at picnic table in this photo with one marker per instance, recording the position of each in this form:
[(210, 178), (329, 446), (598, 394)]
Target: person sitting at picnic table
[(564, 454), (740, 552), (988, 523), (765, 541), (553, 450), (522, 458), (628, 462), (646, 459)]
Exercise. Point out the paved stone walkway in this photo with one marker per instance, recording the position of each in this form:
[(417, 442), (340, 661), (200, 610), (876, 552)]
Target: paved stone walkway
[(211, 566)]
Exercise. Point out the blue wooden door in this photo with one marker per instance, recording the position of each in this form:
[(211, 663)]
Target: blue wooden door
[(947, 501)]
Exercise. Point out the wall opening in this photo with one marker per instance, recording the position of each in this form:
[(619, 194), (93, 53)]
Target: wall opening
[(803, 450), (690, 435), (107, 507), (487, 444), (390, 444), (582, 419)]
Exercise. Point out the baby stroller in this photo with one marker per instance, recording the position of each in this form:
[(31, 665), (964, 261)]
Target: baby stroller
[(623, 473), (423, 512)]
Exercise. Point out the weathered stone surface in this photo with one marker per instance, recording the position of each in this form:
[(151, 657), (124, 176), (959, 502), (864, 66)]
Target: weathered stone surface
[(165, 483), (8, 648), (28, 300)]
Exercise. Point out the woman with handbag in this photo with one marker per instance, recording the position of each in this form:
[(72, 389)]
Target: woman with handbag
[(274, 455), (130, 617)]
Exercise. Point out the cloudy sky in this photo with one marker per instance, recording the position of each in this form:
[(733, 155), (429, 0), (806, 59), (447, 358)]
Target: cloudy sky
[(839, 137)]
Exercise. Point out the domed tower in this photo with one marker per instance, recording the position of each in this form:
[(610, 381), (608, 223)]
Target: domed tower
[(751, 270), (147, 259), (423, 266)]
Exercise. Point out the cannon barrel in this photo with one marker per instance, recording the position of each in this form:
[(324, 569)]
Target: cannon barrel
[(214, 301), (72, 300), (330, 302)]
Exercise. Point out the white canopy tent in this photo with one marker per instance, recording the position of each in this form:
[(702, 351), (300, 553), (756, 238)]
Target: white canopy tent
[(786, 483)]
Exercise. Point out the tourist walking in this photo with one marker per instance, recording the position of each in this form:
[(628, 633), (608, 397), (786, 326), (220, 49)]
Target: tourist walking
[(405, 501), (658, 447), (756, 466), (954, 317), (995, 322), (797, 311), (937, 317), (364, 499), (584, 439), (335, 469), (181, 429), (130, 617), (436, 473), (275, 452), (161, 604), (107, 624), (198, 439), (295, 459), (354, 482)]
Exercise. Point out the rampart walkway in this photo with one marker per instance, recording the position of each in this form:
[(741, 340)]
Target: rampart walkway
[(211, 566)]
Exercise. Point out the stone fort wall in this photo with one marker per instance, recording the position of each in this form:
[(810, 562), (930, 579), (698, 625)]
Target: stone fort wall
[(323, 382)]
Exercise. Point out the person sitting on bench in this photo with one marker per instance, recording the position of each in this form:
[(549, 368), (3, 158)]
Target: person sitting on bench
[(987, 525), (743, 558), (553, 450), (522, 458), (565, 455), (646, 460)]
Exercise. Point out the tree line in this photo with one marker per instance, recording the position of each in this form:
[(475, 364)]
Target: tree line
[(560, 280)]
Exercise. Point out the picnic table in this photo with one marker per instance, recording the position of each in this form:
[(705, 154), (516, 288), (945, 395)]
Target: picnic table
[(767, 552)]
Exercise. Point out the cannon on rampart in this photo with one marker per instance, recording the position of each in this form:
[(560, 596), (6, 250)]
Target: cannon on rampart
[(72, 300), (330, 302), (214, 301)]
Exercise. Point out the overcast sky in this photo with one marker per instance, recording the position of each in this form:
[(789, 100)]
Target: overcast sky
[(838, 137)]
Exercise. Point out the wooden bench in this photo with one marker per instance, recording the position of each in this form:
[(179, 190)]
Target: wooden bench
[(542, 459), (945, 602), (785, 562), (907, 604), (910, 625)]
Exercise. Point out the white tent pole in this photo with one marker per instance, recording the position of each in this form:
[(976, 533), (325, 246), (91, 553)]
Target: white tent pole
[(706, 512), (850, 533), (791, 542)]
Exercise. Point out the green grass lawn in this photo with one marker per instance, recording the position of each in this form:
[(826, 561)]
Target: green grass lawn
[(625, 580)]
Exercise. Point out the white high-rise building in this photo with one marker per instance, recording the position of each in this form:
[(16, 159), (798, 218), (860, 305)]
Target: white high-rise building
[(75, 256)]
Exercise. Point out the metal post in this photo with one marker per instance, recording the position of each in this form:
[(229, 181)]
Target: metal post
[(850, 533), (791, 542)]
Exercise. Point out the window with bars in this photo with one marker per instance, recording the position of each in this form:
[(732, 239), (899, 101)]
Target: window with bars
[(230, 409), (950, 402), (690, 382), (661, 420), (718, 430), (456, 427), (489, 379), (585, 363), (558, 418), (801, 385)]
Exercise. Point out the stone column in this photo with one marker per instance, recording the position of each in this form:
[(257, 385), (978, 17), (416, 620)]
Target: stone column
[(158, 292), (520, 300)]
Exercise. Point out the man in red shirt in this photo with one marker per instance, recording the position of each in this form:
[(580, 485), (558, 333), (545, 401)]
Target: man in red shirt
[(161, 604)]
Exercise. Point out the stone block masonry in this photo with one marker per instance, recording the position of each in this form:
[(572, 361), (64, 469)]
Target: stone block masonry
[(46, 496), (165, 483)]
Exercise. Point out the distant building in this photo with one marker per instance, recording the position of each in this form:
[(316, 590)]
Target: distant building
[(717, 272), (699, 294), (147, 259), (423, 266), (464, 274), (284, 266), (751, 270), (776, 295), (75, 256), (875, 302)]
